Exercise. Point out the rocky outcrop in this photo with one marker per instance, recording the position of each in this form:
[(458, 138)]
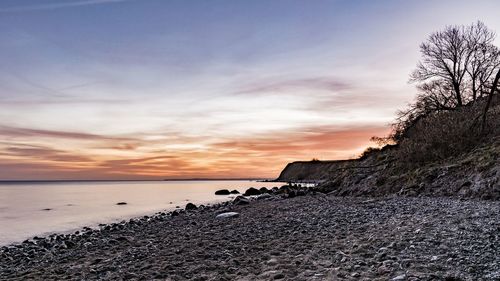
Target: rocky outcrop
[(311, 171)]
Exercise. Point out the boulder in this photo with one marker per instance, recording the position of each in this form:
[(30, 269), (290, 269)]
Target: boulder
[(121, 203), (264, 190), (235, 192), (191, 206), (264, 196), (241, 200), (222, 192), (227, 215), (252, 191)]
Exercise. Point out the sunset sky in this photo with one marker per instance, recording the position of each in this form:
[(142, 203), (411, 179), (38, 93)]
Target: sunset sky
[(149, 89)]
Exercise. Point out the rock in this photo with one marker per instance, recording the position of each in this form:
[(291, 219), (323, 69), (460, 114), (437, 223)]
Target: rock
[(264, 196), (382, 270), (69, 244), (301, 192), (121, 203), (96, 261), (272, 262), (227, 215), (190, 207), (279, 276), (241, 200), (47, 209), (234, 191), (264, 190), (399, 278), (222, 192), (251, 191), (123, 239)]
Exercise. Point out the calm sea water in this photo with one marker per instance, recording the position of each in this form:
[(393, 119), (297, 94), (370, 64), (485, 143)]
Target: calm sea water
[(40, 208)]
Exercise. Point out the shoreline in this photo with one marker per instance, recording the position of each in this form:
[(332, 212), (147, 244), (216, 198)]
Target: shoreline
[(63, 208), (310, 237), (118, 220)]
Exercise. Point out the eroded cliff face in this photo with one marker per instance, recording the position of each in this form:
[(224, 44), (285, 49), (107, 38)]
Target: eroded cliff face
[(473, 175), (311, 171)]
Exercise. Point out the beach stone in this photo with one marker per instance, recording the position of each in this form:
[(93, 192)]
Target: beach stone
[(241, 200), (222, 192), (264, 190), (234, 191), (227, 215), (252, 191), (121, 203), (301, 192), (264, 196), (279, 276), (191, 206)]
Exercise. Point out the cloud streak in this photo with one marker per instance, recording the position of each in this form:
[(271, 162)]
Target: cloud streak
[(8, 131), (59, 5), (329, 84)]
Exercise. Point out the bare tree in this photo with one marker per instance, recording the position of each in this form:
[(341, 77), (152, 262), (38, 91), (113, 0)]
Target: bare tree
[(485, 58), (445, 56), (460, 60)]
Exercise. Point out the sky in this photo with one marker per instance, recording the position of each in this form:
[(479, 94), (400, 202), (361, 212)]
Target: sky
[(154, 89)]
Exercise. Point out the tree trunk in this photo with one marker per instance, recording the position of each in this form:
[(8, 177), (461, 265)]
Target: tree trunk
[(490, 98), (456, 87)]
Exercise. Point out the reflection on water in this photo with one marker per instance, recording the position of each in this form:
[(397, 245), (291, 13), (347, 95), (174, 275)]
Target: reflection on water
[(29, 209)]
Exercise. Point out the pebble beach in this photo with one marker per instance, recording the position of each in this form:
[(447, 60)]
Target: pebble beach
[(309, 237)]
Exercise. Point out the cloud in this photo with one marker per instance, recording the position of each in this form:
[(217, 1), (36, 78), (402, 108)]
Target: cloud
[(58, 5), (330, 84), (314, 139), (8, 131), (43, 153)]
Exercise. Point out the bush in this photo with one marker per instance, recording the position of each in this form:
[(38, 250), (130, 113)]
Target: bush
[(444, 134)]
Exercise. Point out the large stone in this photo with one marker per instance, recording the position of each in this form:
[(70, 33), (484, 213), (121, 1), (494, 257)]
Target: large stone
[(264, 196), (264, 190), (235, 192), (227, 215), (191, 206), (252, 191), (222, 192), (241, 200)]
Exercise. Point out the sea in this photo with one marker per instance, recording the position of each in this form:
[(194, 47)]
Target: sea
[(29, 209)]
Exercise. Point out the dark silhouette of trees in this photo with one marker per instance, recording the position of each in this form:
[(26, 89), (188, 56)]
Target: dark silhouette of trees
[(457, 65)]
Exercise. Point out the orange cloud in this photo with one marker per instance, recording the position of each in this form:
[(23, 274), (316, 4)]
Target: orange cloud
[(260, 156)]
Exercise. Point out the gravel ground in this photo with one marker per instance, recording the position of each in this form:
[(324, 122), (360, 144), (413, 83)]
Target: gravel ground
[(312, 237)]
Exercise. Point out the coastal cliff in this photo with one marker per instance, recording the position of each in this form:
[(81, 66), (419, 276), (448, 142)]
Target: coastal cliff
[(311, 171), (475, 174)]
